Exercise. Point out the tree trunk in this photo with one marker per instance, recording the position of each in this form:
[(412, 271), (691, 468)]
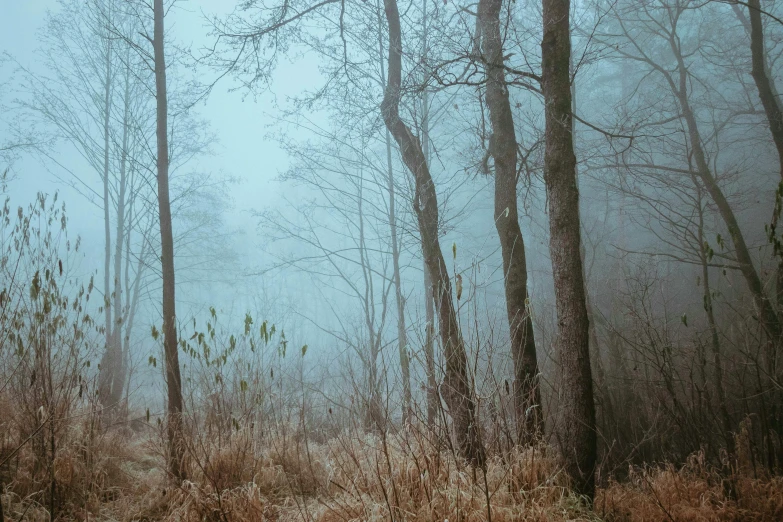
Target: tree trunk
[(376, 416), (173, 379), (713, 326), (458, 387), (107, 366), (766, 313), (764, 83), (118, 373), (577, 435), (433, 401), (767, 316), (503, 147), (768, 95), (402, 335)]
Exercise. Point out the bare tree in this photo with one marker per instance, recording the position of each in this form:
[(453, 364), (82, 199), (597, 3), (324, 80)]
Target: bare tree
[(577, 437), (503, 148), (341, 244), (457, 389), (768, 94), (170, 339), (92, 97)]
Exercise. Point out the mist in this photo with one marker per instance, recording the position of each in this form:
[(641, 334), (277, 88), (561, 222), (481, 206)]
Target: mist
[(371, 260)]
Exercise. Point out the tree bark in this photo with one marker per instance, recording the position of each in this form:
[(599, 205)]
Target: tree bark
[(457, 388), (173, 379), (503, 147), (433, 401), (577, 435)]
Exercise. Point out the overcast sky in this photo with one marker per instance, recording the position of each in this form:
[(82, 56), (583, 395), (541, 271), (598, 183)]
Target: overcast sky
[(240, 125)]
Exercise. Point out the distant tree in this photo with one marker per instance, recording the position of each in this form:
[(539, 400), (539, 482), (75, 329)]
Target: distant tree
[(341, 242), (93, 99), (667, 59)]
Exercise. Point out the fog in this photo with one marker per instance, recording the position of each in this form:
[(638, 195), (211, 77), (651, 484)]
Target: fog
[(398, 237)]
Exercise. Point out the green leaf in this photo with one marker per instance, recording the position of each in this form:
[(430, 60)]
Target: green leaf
[(304, 350), (155, 333)]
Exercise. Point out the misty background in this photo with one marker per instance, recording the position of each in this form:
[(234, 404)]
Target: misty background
[(283, 204)]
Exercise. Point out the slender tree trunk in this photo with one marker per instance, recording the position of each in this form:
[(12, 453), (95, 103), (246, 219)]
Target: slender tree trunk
[(765, 311), (458, 387), (769, 100), (764, 83), (118, 381), (433, 401), (577, 435), (376, 418), (402, 335), (106, 376), (503, 147), (173, 379), (717, 358)]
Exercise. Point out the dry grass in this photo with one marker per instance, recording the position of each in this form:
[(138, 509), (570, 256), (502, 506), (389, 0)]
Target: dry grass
[(693, 493), (362, 477), (366, 478)]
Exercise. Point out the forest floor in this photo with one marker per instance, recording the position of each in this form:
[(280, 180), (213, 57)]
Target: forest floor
[(120, 475)]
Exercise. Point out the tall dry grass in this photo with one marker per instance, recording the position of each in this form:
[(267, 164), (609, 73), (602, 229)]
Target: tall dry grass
[(355, 476)]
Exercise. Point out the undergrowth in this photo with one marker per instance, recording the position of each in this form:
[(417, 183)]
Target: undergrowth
[(119, 474)]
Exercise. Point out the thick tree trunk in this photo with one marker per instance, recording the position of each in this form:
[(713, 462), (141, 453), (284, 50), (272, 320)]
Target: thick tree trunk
[(173, 379), (433, 401), (503, 147), (577, 435), (458, 387)]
